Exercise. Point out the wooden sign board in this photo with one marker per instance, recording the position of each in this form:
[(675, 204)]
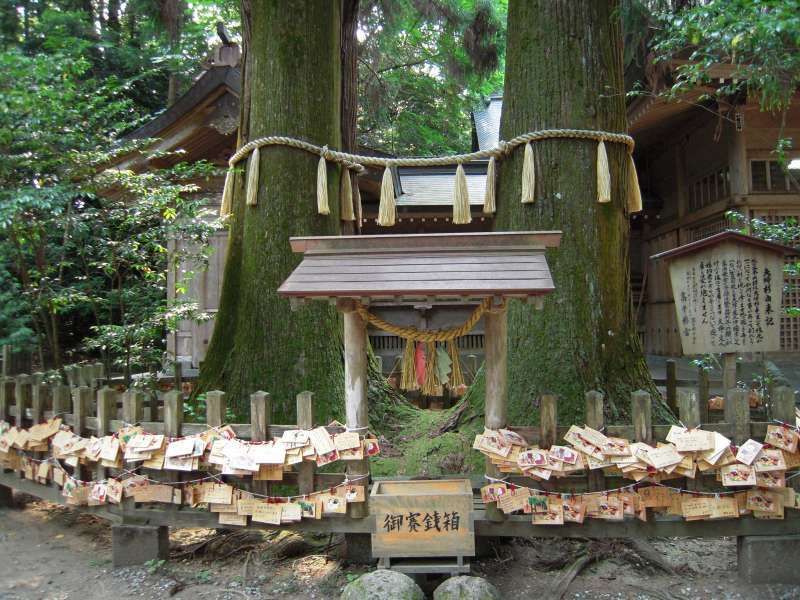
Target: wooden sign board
[(728, 293), (422, 518)]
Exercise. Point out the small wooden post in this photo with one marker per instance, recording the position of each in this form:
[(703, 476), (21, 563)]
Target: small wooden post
[(783, 404), (61, 400), (40, 401), (106, 410), (173, 413), (548, 420), (260, 411), (729, 374), (355, 395), (703, 393), (81, 399), (22, 395), (98, 372), (215, 407), (672, 386), (496, 370), (688, 409), (133, 406), (7, 386), (305, 420), (737, 413), (642, 411), (177, 369), (595, 418)]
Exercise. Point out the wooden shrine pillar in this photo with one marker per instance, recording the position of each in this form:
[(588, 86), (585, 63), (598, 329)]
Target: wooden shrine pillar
[(355, 393), (496, 370)]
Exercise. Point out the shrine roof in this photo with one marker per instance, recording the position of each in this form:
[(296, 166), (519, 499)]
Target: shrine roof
[(719, 238), (454, 267)]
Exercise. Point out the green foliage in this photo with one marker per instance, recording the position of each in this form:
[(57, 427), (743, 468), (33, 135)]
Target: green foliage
[(423, 67), (758, 39), (84, 247)]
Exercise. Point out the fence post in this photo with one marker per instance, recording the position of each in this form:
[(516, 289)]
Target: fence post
[(61, 400), (548, 420), (6, 396), (40, 399), (595, 418), (688, 409), (132, 406), (98, 374), (672, 386), (215, 407), (260, 412), (737, 413), (783, 404), (703, 393), (642, 411), (173, 413), (22, 395), (177, 370), (730, 372), (305, 420), (70, 372), (81, 400), (106, 410)]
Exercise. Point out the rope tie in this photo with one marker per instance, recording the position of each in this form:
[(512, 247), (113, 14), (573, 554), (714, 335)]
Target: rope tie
[(461, 209)]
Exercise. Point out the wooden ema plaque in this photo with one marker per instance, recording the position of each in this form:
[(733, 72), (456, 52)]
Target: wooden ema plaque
[(416, 519), (728, 292)]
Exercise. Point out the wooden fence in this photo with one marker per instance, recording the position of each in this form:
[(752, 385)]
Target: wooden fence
[(104, 410)]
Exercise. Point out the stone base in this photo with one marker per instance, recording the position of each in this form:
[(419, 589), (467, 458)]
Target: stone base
[(768, 558), (136, 544), (6, 497), (358, 548)]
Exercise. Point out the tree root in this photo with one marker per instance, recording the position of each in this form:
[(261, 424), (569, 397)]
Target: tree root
[(565, 578), (649, 554)]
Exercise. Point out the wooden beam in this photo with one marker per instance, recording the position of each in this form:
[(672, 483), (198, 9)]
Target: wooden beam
[(496, 369), (355, 397)]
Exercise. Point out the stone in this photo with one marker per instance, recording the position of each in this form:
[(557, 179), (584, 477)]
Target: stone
[(358, 548), (466, 588), (763, 558), (382, 584), (136, 544), (6, 497)]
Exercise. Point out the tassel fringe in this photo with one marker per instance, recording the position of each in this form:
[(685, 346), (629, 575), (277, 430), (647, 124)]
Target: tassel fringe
[(431, 385), (488, 197), (456, 374), (634, 191), (322, 187), (528, 176), (251, 194), (461, 211), (357, 202), (387, 210), (227, 195), (346, 197), (603, 175), (408, 372)]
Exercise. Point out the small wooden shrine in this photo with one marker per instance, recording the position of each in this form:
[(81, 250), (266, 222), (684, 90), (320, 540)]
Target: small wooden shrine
[(474, 268)]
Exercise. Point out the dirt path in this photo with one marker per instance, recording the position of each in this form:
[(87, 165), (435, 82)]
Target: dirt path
[(49, 552)]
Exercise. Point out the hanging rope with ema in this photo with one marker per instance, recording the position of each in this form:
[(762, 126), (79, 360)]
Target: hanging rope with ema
[(461, 212)]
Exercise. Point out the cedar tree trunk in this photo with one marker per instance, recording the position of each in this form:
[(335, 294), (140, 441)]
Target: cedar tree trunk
[(291, 86), (564, 70)]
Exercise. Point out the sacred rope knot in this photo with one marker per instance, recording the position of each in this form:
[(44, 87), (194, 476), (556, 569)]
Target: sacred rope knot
[(504, 147), (325, 153)]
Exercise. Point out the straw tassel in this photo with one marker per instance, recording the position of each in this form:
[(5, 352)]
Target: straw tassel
[(528, 176), (488, 197), (603, 174), (227, 194), (634, 191), (408, 369), (386, 209), (357, 202), (346, 197), (461, 212), (251, 196), (322, 187), (431, 385), (456, 374)]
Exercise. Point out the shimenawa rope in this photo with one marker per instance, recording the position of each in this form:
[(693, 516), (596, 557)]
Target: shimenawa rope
[(461, 214)]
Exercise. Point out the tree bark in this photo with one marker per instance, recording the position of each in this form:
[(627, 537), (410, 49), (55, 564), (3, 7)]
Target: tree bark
[(564, 70), (349, 91), (291, 86)]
